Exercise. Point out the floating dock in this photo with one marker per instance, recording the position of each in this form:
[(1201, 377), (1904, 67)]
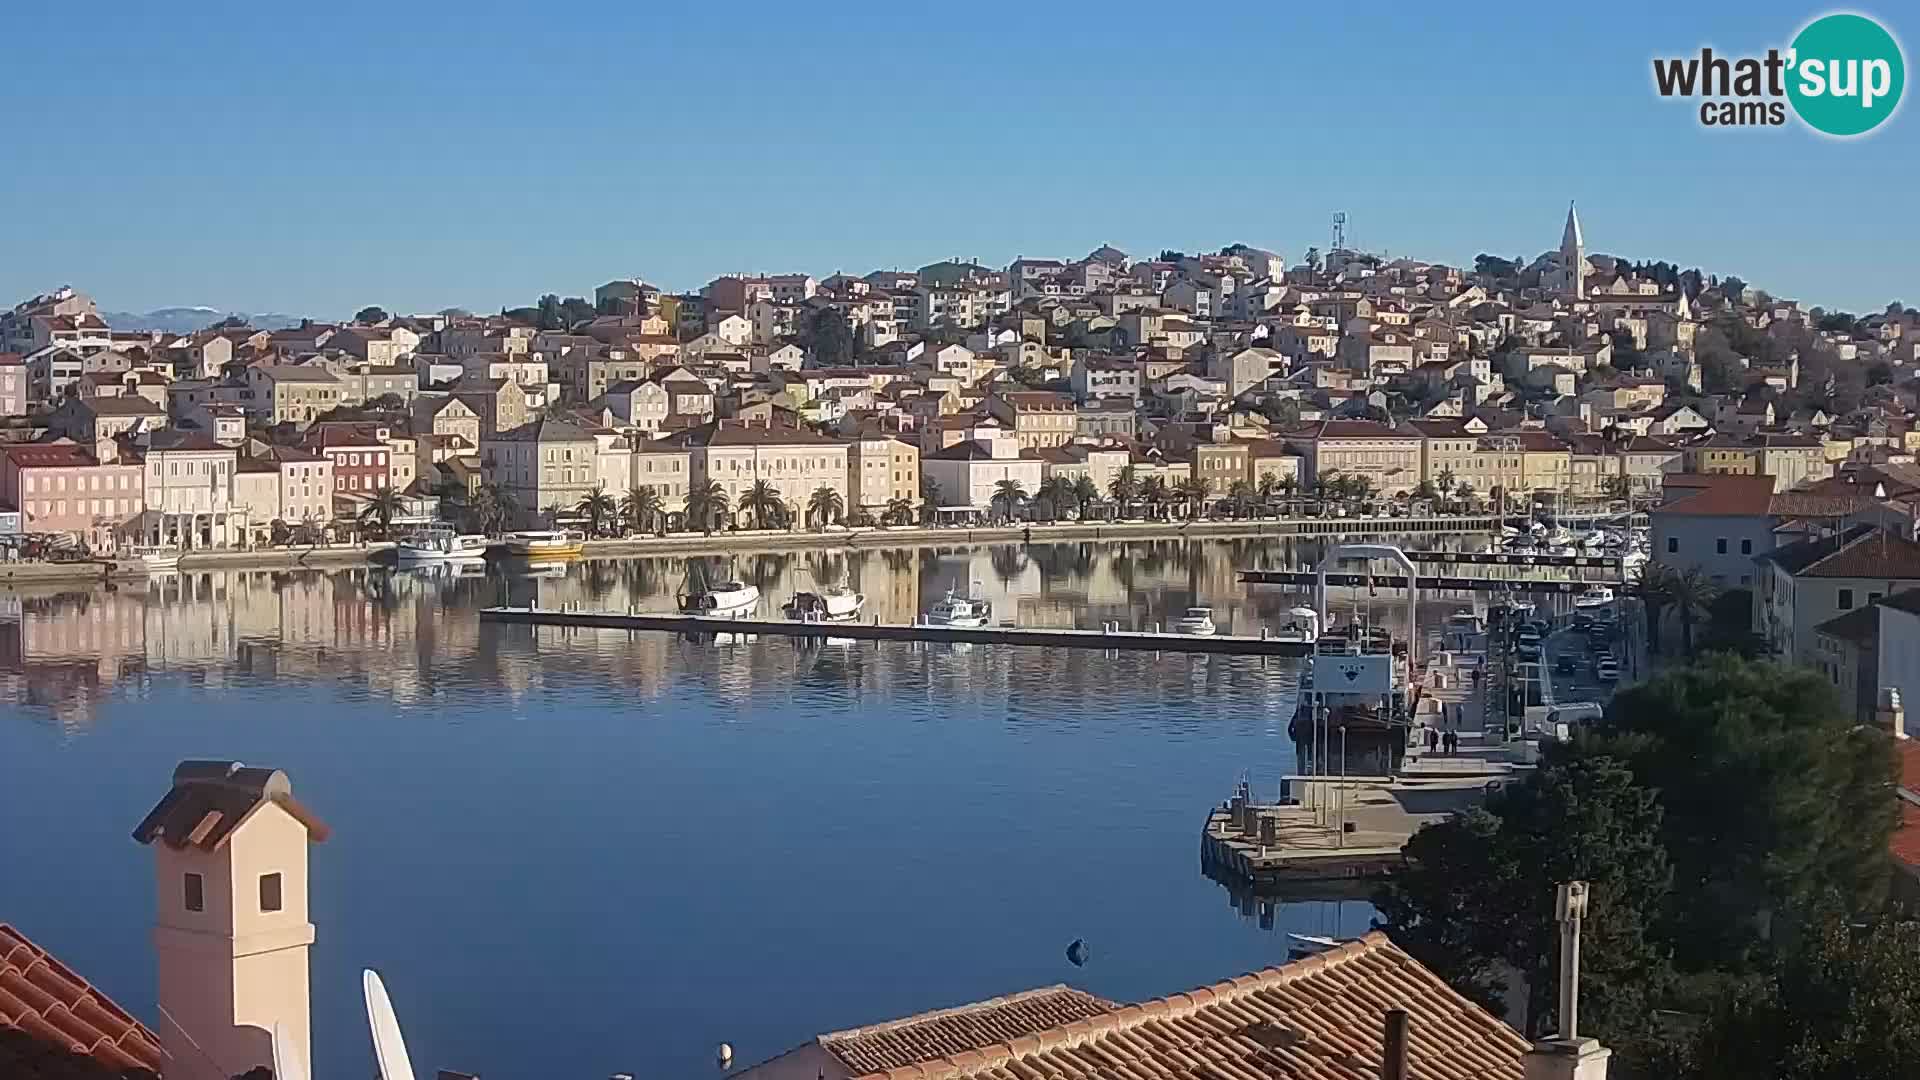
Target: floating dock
[(1106, 639)]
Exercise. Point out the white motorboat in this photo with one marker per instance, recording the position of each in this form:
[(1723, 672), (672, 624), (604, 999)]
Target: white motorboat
[(836, 603), (1303, 627), (1593, 541), (441, 545), (957, 610), (1596, 596), (722, 598), (158, 560), (1198, 622)]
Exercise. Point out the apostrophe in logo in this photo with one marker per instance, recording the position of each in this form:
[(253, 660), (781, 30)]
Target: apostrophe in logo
[(1848, 75), (1842, 75)]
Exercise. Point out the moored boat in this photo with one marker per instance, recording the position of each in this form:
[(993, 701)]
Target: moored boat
[(836, 603), (544, 545), (721, 598), (1595, 596), (1198, 622), (441, 545), (957, 610), (158, 560)]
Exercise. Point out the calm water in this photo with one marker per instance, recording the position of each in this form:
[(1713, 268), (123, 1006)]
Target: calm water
[(572, 853)]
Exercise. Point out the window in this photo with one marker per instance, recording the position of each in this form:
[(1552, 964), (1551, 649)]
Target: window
[(1673, 544), (1846, 599), (1746, 547), (270, 892), (1720, 546), (196, 893)]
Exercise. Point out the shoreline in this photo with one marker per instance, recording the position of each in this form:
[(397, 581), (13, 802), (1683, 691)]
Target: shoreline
[(15, 575)]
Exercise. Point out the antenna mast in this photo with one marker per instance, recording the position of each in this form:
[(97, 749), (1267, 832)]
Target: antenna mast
[(1339, 230)]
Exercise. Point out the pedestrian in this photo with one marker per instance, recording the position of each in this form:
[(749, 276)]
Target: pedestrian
[(1452, 742), (1433, 740)]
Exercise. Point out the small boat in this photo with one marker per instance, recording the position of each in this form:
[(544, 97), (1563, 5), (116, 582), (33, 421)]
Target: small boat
[(957, 610), (1596, 596), (721, 598), (1198, 621), (440, 546), (1301, 946), (545, 545), (1465, 622), (158, 560), (1304, 626), (836, 603)]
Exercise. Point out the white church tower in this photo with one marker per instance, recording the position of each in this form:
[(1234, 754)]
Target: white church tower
[(231, 933), (1573, 256)]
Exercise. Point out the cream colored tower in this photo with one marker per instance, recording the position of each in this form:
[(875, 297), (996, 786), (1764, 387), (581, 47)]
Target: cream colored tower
[(231, 932), (1573, 256)]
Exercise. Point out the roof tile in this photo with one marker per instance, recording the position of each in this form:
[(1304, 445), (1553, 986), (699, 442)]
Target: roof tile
[(54, 1026)]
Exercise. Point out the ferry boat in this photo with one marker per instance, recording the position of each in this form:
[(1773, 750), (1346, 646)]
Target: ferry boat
[(1304, 626), (158, 560), (957, 610), (441, 545), (721, 598), (1595, 596), (1198, 622), (835, 603), (544, 545)]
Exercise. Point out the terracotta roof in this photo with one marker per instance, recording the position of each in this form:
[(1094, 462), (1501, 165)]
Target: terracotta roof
[(210, 798), (1905, 843), (1863, 551), (55, 1026), (1321, 1018), (1720, 495), (945, 1032), (48, 455)]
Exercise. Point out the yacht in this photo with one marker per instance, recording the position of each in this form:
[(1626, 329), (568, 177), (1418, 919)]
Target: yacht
[(957, 610), (723, 598), (835, 603), (1198, 621), (158, 560), (441, 545), (545, 545), (1595, 596), (1303, 626)]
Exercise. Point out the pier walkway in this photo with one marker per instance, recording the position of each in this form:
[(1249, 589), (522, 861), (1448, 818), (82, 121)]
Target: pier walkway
[(1110, 638)]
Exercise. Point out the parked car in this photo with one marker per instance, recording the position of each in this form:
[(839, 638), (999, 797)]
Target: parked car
[(1607, 670), (1566, 664)]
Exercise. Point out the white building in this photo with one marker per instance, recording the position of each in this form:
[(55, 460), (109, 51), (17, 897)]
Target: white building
[(1805, 584), (970, 471)]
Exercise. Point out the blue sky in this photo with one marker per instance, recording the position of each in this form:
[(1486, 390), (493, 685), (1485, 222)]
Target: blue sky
[(314, 158)]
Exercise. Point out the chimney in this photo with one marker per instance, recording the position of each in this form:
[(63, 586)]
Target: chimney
[(1568, 1056), (1393, 1057), (1891, 715)]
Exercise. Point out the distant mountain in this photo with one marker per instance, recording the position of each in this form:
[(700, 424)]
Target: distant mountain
[(185, 320)]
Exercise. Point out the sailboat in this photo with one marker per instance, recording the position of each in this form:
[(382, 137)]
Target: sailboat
[(703, 596)]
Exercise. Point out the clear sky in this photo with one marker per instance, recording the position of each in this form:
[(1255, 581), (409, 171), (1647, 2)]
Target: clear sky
[(314, 158)]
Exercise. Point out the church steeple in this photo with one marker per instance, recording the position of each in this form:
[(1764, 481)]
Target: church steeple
[(1573, 255)]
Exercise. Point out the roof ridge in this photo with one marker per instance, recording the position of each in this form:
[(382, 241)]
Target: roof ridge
[(954, 1010), (1126, 1017)]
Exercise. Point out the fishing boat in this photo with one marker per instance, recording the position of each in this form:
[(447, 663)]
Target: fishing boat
[(963, 611), (441, 546), (1198, 622), (835, 603), (1595, 596), (158, 560), (548, 545), (1303, 626)]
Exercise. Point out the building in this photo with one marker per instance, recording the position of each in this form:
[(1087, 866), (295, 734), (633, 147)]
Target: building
[(969, 472), (361, 462), (1246, 369), (1846, 649), (542, 465), (63, 488), (304, 485), (1096, 377), (1806, 584), (1719, 524), (1320, 1017), (1038, 418), (1388, 457), (231, 934), (290, 393), (13, 385), (1898, 664), (736, 454), (880, 469)]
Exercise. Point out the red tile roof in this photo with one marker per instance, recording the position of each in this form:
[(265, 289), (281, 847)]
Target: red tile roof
[(1321, 1018), (1719, 495), (1905, 844), (933, 1035), (1862, 551), (55, 1026)]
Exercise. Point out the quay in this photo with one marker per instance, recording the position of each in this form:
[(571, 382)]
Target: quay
[(1431, 583), (1110, 638)]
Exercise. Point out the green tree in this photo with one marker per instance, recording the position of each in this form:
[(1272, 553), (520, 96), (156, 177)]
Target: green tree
[(1124, 488), (370, 314), (898, 512), (490, 509), (1086, 494), (642, 508), (1055, 495), (1693, 596), (929, 500), (762, 500), (548, 313), (1475, 896), (381, 509), (1154, 492), (1243, 497), (707, 506), (1841, 1005), (600, 510), (830, 338), (1009, 496), (826, 505), (1773, 800)]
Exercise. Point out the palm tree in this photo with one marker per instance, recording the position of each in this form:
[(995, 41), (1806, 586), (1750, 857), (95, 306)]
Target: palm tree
[(381, 509), (1086, 494), (1009, 496), (1242, 494), (706, 506), (1057, 492), (1289, 487), (826, 505), (1465, 491), (1654, 588), (898, 512), (1153, 492), (600, 511), (1196, 490), (1124, 488), (490, 508), (1693, 597), (1424, 490), (1265, 490), (762, 500), (641, 508), (929, 500)]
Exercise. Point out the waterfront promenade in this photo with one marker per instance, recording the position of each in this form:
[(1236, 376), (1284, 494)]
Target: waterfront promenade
[(744, 541)]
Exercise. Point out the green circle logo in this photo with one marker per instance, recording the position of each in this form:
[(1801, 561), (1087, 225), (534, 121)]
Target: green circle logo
[(1846, 75)]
